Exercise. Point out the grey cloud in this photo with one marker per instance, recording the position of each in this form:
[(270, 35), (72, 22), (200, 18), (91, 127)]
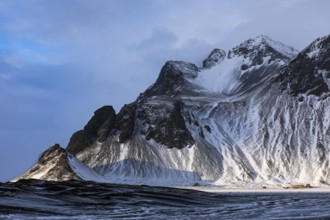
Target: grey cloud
[(162, 45), (161, 38), (296, 23)]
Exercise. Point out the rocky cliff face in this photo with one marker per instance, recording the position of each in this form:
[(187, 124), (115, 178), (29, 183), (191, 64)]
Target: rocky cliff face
[(52, 165), (97, 129), (216, 56), (256, 114), (309, 72)]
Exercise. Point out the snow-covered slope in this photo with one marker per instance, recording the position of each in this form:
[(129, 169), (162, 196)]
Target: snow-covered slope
[(244, 66), (257, 114), (83, 171)]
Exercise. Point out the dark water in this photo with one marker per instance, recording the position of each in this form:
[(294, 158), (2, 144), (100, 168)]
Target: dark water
[(88, 200)]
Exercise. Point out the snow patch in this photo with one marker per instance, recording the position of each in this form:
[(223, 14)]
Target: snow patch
[(313, 52), (83, 171), (222, 78)]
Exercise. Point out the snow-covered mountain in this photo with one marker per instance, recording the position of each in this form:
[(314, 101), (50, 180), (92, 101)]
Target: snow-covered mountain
[(256, 114)]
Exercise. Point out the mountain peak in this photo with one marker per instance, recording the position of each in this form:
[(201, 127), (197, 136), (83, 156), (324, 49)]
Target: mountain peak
[(216, 56), (260, 39), (173, 75), (265, 45)]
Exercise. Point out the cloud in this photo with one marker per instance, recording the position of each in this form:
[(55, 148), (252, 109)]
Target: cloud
[(296, 23), (160, 39), (164, 45)]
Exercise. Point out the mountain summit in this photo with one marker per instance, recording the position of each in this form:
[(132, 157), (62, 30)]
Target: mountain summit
[(263, 45), (256, 114)]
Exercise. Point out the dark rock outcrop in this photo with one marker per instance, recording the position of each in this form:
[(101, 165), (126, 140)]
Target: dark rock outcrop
[(54, 164), (307, 72), (78, 142), (166, 125), (301, 77), (173, 75), (125, 122), (101, 123), (216, 56), (98, 128)]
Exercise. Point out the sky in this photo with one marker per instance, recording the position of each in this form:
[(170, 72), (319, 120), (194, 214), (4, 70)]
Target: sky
[(61, 60)]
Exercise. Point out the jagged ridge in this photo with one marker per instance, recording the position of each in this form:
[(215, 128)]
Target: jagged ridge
[(235, 121)]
